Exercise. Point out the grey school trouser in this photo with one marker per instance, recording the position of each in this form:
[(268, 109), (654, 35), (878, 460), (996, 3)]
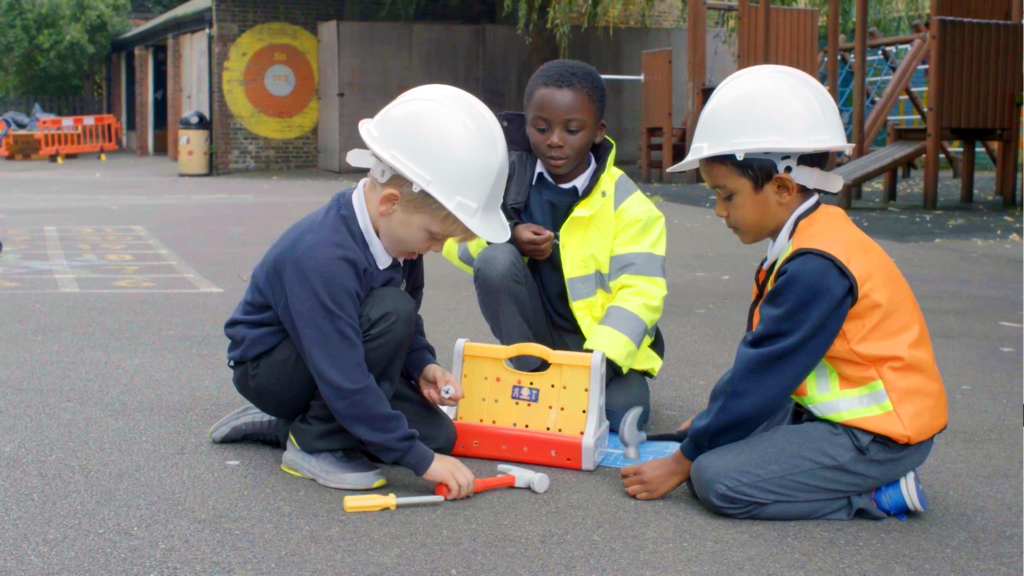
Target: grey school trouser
[(796, 467)]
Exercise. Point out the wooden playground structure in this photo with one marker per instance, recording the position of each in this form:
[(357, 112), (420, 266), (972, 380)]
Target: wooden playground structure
[(969, 52), (787, 35), (975, 71)]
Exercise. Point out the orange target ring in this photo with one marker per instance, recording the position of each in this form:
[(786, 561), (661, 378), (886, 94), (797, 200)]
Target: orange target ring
[(279, 81)]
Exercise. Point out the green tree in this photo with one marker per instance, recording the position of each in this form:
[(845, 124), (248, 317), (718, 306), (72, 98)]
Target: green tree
[(890, 17), (551, 20), (548, 23), (57, 47), (545, 24)]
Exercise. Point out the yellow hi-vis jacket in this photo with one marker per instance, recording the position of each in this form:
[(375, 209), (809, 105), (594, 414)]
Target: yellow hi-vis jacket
[(612, 248)]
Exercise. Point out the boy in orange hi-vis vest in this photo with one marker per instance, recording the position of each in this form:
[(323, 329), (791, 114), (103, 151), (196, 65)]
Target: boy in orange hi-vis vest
[(834, 398)]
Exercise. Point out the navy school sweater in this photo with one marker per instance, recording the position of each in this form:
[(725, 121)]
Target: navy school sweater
[(800, 319), (309, 287), (549, 205)]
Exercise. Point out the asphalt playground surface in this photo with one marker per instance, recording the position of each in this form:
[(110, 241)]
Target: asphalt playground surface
[(111, 373)]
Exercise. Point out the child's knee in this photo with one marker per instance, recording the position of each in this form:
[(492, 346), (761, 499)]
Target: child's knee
[(391, 309), (708, 477), (496, 265), (442, 438), (624, 393)]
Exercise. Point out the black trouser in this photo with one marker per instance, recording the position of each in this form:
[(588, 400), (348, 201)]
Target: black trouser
[(280, 384)]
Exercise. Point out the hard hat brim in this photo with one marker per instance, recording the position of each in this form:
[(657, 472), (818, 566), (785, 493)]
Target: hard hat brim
[(692, 160), (491, 226)]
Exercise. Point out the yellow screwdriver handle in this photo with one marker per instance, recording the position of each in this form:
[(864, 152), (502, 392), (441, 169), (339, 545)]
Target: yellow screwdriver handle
[(369, 502)]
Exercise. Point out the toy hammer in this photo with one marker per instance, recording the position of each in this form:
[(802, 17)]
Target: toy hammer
[(631, 436), (514, 477)]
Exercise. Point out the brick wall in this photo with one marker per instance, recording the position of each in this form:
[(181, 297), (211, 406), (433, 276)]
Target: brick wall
[(173, 96), (141, 101), (667, 14), (116, 105)]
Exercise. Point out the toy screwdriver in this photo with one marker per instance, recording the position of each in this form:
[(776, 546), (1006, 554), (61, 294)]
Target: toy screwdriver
[(375, 502)]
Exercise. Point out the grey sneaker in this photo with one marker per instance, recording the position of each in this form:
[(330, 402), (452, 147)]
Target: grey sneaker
[(248, 424), (343, 470)]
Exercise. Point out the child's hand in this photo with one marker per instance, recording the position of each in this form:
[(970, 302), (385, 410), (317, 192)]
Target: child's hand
[(652, 480), (686, 425), (432, 379), (533, 241), (453, 474)]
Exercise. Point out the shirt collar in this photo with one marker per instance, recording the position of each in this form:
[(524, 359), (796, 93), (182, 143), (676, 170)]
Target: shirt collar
[(380, 254), (580, 183), (777, 247)]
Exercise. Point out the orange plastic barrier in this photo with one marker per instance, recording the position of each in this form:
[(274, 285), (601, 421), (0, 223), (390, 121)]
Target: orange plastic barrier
[(5, 129), (79, 134)]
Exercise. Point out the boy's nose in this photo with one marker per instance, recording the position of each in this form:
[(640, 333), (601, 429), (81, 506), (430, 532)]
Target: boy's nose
[(720, 210)]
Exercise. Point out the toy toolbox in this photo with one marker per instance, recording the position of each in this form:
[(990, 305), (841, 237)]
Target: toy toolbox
[(551, 418)]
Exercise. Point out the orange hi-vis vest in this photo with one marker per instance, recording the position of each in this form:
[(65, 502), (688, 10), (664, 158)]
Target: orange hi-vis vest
[(879, 374)]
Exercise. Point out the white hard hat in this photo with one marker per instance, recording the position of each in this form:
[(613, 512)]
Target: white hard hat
[(773, 112), (447, 142)]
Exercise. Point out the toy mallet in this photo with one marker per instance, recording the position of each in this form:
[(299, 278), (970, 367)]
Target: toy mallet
[(631, 436), (375, 502), (513, 477)]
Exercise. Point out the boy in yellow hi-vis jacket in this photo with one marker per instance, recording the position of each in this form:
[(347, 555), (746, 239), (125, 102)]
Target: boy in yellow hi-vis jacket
[(585, 268)]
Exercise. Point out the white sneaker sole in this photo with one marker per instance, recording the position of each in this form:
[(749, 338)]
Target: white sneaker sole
[(908, 485), (295, 468)]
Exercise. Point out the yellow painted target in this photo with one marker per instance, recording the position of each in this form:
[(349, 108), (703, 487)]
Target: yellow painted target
[(270, 80)]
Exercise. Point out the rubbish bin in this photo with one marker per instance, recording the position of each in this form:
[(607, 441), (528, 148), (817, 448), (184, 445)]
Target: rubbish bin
[(194, 144)]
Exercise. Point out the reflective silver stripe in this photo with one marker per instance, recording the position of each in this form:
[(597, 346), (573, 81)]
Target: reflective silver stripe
[(624, 188), (465, 256), (629, 324), (636, 264), (583, 287), (829, 407), (822, 384), (652, 331)]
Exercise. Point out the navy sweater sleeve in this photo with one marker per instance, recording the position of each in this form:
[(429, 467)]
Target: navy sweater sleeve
[(421, 354), (324, 305), (800, 319)]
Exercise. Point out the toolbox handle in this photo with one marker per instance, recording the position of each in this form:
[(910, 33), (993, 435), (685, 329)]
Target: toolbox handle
[(528, 349)]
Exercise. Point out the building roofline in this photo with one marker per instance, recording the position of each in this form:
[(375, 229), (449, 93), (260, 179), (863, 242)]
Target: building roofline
[(189, 17)]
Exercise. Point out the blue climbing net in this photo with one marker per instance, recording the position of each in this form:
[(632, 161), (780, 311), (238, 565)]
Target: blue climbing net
[(880, 66)]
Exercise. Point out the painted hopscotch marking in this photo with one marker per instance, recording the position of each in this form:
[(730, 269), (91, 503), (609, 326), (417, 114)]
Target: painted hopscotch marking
[(201, 283), (60, 263), (94, 259)]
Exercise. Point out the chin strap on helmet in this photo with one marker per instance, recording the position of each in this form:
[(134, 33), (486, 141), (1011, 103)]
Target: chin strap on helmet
[(380, 171), (810, 178)]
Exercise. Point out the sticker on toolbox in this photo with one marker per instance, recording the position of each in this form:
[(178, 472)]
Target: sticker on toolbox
[(525, 393)]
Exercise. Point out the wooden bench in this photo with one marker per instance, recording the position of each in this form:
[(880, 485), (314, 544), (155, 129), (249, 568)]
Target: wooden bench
[(881, 161)]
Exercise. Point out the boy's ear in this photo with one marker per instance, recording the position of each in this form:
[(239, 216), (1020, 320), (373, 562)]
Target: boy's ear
[(387, 201), (601, 128), (785, 188)]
